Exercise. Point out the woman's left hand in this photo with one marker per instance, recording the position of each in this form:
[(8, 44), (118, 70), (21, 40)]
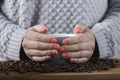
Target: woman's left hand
[(79, 48)]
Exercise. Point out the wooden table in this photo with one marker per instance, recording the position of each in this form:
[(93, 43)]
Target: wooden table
[(112, 74)]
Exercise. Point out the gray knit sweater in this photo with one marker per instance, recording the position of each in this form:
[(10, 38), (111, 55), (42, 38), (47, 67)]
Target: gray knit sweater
[(60, 16)]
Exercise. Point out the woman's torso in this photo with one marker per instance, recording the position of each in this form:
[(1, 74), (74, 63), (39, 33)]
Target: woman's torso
[(60, 16)]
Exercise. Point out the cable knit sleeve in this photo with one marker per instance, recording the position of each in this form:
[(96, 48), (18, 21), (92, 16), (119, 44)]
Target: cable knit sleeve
[(107, 32), (10, 39)]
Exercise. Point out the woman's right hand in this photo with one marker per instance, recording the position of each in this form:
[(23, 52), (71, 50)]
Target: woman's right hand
[(37, 45)]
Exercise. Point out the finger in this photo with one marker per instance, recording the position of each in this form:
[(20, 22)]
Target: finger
[(39, 45), (35, 36), (77, 47), (78, 54), (42, 53), (80, 60), (80, 29), (41, 59), (40, 28), (76, 39)]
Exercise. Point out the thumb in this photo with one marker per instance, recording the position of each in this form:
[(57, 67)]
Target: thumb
[(80, 29), (40, 28)]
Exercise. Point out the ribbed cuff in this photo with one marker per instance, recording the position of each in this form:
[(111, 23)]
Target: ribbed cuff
[(14, 44), (99, 33)]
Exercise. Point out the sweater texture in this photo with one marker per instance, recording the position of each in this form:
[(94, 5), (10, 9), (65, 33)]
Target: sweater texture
[(60, 16)]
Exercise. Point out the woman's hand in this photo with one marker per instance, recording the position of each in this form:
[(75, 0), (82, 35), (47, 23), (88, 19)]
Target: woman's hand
[(79, 48), (37, 45)]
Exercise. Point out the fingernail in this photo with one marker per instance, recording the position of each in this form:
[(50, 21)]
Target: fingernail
[(62, 49), (53, 40), (47, 57), (72, 59), (56, 46), (54, 52), (44, 29), (64, 55), (78, 30), (65, 42)]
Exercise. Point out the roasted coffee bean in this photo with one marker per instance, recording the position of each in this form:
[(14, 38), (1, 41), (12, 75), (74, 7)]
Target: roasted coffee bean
[(31, 66)]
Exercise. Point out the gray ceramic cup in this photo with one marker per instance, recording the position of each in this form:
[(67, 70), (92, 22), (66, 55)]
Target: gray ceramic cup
[(58, 59)]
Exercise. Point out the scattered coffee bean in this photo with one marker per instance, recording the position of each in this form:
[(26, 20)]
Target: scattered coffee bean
[(31, 66)]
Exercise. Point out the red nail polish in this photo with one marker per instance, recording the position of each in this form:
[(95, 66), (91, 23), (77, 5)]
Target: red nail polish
[(64, 55), (44, 29), (78, 30), (56, 46), (53, 40), (72, 59), (48, 57), (62, 49), (54, 52), (65, 42)]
